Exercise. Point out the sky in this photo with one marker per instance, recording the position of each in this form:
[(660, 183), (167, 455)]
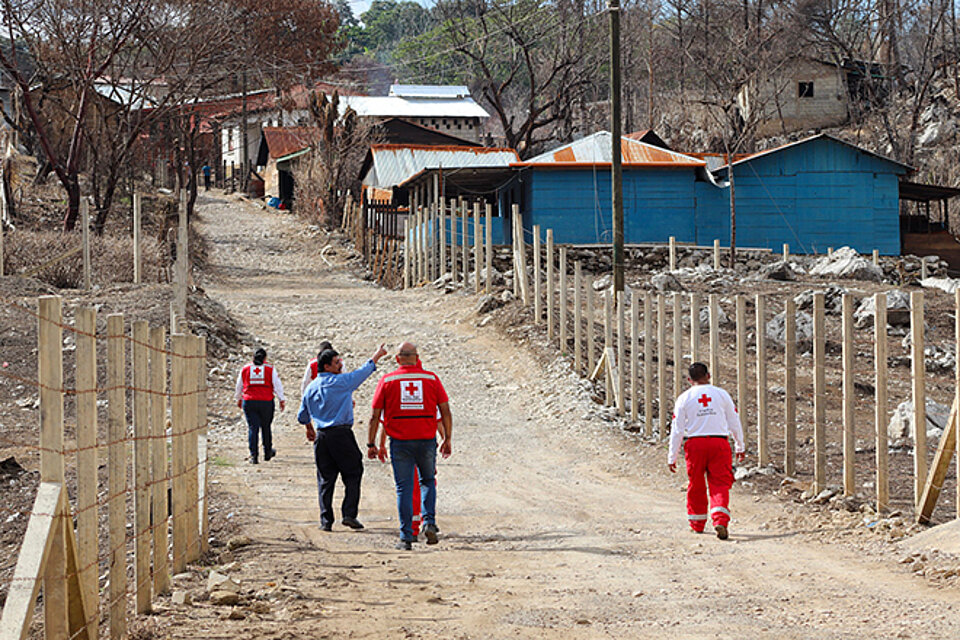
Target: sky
[(359, 6)]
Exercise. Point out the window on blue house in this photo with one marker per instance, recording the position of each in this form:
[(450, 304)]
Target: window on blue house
[(804, 89)]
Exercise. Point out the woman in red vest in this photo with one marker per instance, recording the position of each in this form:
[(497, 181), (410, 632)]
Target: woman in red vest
[(257, 383)]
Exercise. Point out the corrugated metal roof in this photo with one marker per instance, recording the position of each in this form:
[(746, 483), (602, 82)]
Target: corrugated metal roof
[(395, 163), (595, 149), (429, 91), (825, 136), (123, 95), (395, 106), (282, 141)]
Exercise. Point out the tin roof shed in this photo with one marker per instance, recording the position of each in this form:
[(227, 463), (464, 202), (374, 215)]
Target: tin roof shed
[(596, 150), (388, 165)]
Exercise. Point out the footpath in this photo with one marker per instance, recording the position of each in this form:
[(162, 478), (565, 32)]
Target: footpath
[(552, 526)]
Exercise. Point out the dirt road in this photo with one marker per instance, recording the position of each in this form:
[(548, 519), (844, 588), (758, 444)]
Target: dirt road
[(553, 525)]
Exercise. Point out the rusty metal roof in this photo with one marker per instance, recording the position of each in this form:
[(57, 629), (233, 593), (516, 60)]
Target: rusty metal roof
[(282, 141), (595, 150), (392, 164)]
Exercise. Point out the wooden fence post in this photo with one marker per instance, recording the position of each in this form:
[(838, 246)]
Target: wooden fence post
[(786, 251), (662, 410), (763, 451), (537, 278), (790, 386), (591, 328), (634, 355), (202, 457), (137, 240), (608, 340), (742, 390), (488, 254), (442, 233), (647, 365), (819, 396), (86, 406), (577, 318), (716, 255), (50, 377), (918, 371), (956, 398), (454, 268), (673, 253), (117, 466), (477, 248), (158, 457), (562, 302), (694, 327), (550, 286), (179, 415), (621, 348), (182, 264), (521, 258), (141, 464), (876, 258), (880, 421), (677, 344), (849, 398), (85, 239), (191, 448), (714, 303), (406, 255)]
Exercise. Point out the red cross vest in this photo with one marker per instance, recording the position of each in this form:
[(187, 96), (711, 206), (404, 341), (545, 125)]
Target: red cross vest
[(409, 397), (257, 382), (313, 369)]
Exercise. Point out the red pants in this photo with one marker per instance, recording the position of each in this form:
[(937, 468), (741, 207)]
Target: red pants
[(710, 457)]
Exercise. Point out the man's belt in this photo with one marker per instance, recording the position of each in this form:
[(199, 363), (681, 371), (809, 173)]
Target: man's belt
[(692, 437), (348, 425)]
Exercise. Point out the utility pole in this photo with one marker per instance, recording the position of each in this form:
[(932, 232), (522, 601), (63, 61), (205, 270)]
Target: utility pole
[(616, 177)]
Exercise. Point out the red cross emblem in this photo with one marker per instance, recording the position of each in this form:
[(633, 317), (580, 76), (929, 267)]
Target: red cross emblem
[(704, 400), (411, 388), (257, 371)]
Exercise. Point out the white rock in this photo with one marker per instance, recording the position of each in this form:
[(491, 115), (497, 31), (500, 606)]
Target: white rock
[(944, 284), (845, 262), (217, 581), (901, 422), (898, 310)]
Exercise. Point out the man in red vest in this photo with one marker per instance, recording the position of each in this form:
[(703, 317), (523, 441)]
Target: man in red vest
[(257, 383), (408, 400), (310, 373), (703, 420)]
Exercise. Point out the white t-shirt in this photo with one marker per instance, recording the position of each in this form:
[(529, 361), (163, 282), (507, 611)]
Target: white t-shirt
[(704, 410)]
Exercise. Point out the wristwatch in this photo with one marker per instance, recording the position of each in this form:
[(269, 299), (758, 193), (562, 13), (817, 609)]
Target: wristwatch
[(371, 445)]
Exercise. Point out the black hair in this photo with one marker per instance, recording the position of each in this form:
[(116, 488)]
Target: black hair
[(259, 356), (326, 357), (323, 347), (698, 372)]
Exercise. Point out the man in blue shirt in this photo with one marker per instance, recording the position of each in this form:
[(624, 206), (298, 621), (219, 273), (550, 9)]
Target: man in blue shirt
[(326, 410)]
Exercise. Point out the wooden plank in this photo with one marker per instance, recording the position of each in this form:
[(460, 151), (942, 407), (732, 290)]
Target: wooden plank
[(634, 355), (591, 328), (673, 253), (31, 563), (488, 254), (608, 339), (465, 238), (939, 468), (141, 464), (577, 317), (202, 467), (819, 396), (81, 611), (742, 390), (880, 413), (790, 387), (477, 248), (159, 459), (647, 365), (876, 257), (86, 406), (662, 410), (613, 374), (137, 240), (537, 277), (695, 305), (407, 248), (716, 255), (117, 474), (621, 346), (600, 367), (714, 302), (442, 233), (786, 251), (919, 396), (179, 389), (522, 251), (550, 286), (849, 398), (763, 448), (678, 373), (191, 448), (562, 300)]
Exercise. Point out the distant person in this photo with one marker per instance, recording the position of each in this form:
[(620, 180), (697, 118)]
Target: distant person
[(206, 170), (310, 373), (326, 410), (408, 400), (257, 384), (703, 419)]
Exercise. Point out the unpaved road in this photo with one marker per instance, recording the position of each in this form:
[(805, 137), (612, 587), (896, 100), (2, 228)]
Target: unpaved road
[(553, 526)]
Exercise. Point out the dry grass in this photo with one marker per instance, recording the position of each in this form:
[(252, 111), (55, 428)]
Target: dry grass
[(111, 258)]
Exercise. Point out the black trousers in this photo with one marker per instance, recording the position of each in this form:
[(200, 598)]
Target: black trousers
[(336, 453), (259, 415)]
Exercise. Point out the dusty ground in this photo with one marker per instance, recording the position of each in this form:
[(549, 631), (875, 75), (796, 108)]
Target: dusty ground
[(554, 524)]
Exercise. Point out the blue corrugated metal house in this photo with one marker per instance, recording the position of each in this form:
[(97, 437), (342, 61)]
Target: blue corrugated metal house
[(811, 194)]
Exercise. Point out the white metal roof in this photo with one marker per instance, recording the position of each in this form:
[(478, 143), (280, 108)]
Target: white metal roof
[(597, 149), (121, 94), (395, 106), (429, 91), (393, 164)]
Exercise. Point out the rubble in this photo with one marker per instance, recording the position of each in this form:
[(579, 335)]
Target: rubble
[(832, 299), (845, 262), (898, 310), (664, 282), (777, 271), (944, 284), (777, 327), (901, 422)]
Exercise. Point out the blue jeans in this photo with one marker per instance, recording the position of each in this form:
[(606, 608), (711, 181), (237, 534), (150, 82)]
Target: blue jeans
[(259, 415), (404, 455)]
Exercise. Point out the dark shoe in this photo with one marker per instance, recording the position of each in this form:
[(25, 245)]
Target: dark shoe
[(326, 527), (353, 523), (253, 460), (269, 454), (430, 532), (404, 545), (722, 532)]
